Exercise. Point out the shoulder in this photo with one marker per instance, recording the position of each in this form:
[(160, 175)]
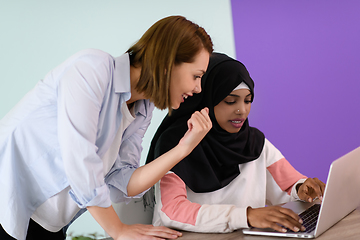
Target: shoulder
[(271, 153), (92, 57), (268, 144), (90, 52)]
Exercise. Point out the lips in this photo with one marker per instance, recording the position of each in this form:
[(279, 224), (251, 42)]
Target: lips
[(185, 96), (237, 123)]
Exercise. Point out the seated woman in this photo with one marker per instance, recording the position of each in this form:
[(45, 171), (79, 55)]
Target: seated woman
[(235, 176)]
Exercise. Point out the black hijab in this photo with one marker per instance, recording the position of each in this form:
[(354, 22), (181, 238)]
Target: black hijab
[(214, 162)]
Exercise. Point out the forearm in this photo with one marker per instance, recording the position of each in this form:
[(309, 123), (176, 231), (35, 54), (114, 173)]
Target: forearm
[(210, 219), (173, 209), (108, 220), (146, 176)]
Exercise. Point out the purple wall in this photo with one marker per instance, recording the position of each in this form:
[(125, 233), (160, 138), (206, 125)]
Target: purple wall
[(304, 57)]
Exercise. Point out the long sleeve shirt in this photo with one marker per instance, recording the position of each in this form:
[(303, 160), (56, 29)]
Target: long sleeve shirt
[(56, 136), (268, 180)]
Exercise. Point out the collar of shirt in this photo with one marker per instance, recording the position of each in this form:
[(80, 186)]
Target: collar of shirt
[(122, 71)]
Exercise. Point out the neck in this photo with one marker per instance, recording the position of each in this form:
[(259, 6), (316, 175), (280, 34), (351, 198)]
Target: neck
[(134, 79)]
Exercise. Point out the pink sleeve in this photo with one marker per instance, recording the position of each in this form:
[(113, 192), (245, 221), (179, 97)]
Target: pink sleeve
[(284, 174), (174, 200)]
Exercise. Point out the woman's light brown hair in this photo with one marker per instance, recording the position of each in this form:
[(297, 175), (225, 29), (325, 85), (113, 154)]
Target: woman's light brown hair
[(171, 40)]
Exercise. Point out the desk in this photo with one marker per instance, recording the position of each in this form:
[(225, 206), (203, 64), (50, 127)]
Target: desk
[(348, 229)]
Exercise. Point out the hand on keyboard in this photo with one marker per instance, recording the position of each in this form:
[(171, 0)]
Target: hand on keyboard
[(275, 217), (310, 217)]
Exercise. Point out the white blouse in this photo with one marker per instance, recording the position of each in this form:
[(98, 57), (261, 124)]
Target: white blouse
[(60, 209)]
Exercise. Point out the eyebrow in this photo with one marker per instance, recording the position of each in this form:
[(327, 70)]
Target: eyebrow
[(234, 95)]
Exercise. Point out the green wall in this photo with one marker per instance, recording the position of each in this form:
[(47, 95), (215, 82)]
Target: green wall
[(38, 35)]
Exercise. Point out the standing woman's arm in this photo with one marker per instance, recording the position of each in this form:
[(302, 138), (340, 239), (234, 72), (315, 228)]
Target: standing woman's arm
[(146, 176)]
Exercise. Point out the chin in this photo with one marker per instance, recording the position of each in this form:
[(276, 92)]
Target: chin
[(175, 106), (234, 130)]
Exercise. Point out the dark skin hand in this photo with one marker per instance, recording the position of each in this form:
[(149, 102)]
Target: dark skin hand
[(275, 216), (312, 188)]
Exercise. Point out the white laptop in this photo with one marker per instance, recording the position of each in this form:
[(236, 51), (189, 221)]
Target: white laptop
[(341, 197)]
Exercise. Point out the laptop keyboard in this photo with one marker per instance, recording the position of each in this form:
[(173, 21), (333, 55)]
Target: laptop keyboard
[(310, 217)]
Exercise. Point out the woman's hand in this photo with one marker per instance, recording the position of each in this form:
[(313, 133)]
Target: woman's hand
[(146, 232), (274, 217), (198, 126), (110, 222), (311, 189)]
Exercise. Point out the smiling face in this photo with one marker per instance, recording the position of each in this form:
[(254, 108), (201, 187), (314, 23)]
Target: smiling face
[(233, 110), (186, 78)]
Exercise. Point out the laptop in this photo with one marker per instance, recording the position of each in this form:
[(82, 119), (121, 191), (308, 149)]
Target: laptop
[(341, 197)]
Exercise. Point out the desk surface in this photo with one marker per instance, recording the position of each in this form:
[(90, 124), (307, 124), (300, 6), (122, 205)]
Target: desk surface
[(348, 228)]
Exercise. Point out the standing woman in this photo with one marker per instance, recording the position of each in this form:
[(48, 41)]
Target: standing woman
[(74, 141), (234, 172)]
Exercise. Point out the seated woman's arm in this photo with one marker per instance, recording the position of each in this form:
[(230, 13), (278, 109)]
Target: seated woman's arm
[(283, 178), (176, 211)]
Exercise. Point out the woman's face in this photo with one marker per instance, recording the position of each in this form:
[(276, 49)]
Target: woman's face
[(233, 110), (186, 78)]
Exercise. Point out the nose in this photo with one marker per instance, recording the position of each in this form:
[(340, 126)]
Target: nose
[(240, 109), (197, 88)]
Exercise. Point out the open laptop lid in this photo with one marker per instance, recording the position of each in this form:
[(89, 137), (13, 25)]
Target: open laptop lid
[(342, 191), (340, 198)]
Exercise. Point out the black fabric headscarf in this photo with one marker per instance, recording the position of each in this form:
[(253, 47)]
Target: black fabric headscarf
[(214, 162)]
